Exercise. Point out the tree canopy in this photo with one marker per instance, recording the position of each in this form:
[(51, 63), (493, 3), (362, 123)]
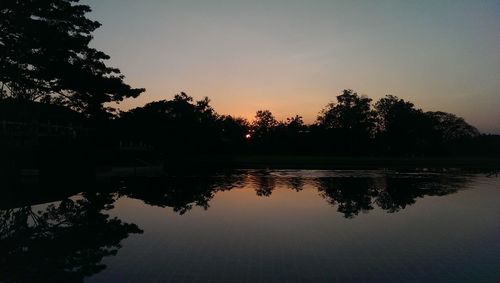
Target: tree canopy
[(352, 114), (45, 56), (351, 126), (264, 123), (403, 128), (349, 123)]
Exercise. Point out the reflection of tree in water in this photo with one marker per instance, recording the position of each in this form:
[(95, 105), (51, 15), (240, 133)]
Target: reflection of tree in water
[(390, 193), (264, 184), (63, 242), (182, 193), (352, 195), (296, 184), (401, 192)]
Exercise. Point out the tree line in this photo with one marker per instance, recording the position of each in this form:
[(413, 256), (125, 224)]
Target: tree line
[(46, 58), (351, 125)]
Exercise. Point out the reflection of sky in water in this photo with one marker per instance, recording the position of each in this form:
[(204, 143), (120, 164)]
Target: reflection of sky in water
[(268, 226), (295, 236)]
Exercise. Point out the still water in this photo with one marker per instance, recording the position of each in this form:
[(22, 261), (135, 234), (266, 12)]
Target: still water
[(260, 226)]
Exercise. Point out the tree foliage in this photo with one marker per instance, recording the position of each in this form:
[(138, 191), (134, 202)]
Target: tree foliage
[(174, 126), (264, 123), (349, 123), (450, 127), (350, 126), (352, 114), (45, 56), (403, 128)]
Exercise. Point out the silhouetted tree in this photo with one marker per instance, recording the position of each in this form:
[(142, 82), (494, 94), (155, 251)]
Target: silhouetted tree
[(290, 135), (350, 122), (234, 133), (294, 124), (264, 129), (452, 134), (45, 56), (178, 126), (403, 129), (451, 127), (264, 123)]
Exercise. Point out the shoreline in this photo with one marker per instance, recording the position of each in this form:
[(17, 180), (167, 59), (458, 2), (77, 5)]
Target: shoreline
[(329, 162)]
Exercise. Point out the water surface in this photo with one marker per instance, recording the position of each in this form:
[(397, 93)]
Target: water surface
[(262, 226)]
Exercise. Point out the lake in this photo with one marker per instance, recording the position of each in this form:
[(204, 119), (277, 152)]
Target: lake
[(256, 226)]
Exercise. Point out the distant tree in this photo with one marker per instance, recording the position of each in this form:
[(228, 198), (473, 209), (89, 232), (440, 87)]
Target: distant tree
[(234, 132), (351, 126), (45, 56), (351, 119), (205, 110), (451, 127), (178, 126), (394, 113), (289, 136), (264, 123), (403, 129), (238, 125), (264, 131), (294, 124), (350, 113)]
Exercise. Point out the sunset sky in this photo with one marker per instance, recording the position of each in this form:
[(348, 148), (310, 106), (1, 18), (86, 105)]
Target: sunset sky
[(293, 57)]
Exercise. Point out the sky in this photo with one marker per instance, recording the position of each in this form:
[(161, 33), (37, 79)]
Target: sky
[(295, 56)]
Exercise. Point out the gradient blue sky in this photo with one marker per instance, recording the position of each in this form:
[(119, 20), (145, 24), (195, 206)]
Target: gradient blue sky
[(293, 57)]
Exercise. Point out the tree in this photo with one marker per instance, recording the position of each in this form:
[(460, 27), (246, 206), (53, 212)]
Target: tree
[(451, 127), (290, 136), (234, 132), (351, 120), (394, 113), (45, 56), (294, 124), (350, 113), (177, 126), (264, 123), (404, 129)]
